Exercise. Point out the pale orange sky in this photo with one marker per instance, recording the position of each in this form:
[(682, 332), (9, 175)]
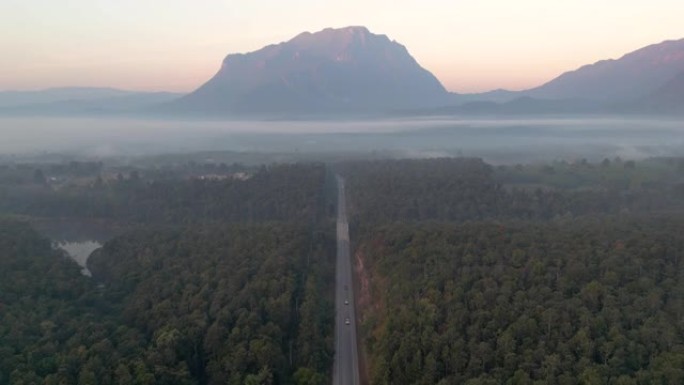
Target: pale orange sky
[(175, 45)]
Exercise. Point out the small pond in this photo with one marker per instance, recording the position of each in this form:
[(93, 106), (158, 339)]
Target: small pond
[(79, 252), (78, 238)]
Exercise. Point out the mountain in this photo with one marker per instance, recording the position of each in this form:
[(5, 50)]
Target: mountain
[(330, 71), (23, 98), (669, 98), (353, 71), (631, 77), (520, 106), (78, 101)]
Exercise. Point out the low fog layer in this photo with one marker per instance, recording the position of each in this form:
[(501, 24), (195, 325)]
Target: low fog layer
[(495, 140)]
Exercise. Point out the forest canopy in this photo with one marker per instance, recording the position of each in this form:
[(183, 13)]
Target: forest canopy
[(558, 273), (467, 272)]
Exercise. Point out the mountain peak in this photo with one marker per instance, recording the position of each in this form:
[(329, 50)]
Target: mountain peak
[(352, 29), (334, 42), (344, 69)]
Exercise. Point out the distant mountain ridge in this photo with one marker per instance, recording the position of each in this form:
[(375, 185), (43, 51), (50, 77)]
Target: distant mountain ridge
[(354, 72), (80, 100), (50, 95), (630, 77), (333, 70), (352, 69), (669, 98), (649, 80)]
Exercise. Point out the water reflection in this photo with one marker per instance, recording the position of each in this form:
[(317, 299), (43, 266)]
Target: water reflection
[(77, 237), (79, 252)]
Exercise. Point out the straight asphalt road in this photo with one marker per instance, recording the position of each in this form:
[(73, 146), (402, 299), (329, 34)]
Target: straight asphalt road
[(346, 367)]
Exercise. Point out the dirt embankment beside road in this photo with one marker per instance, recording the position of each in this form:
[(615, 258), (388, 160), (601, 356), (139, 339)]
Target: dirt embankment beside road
[(369, 310)]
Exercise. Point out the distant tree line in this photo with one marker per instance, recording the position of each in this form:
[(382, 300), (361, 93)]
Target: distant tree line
[(278, 192), (458, 189)]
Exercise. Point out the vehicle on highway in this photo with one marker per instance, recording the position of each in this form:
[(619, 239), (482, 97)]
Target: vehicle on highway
[(346, 302), (347, 321)]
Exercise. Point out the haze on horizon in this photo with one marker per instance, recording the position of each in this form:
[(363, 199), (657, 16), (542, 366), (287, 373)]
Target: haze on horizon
[(177, 45)]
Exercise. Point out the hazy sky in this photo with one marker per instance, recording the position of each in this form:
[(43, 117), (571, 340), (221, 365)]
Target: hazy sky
[(175, 45)]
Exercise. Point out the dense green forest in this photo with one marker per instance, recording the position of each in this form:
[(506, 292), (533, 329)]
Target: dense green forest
[(559, 273), (231, 304), (457, 189), (591, 301), (217, 275), (54, 327), (237, 302)]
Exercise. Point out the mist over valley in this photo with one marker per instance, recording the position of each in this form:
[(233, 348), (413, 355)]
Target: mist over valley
[(504, 140)]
